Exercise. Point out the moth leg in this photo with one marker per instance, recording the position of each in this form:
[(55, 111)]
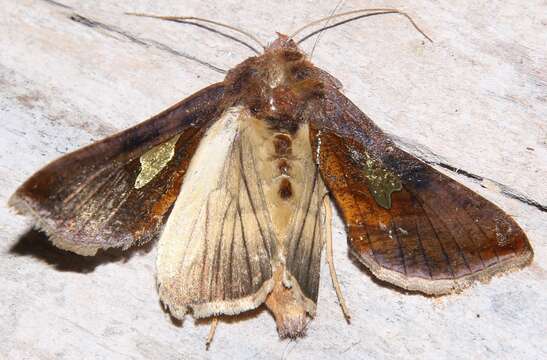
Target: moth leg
[(212, 330), (330, 261)]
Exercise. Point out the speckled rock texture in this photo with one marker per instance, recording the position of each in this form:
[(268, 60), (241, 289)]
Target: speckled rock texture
[(473, 103)]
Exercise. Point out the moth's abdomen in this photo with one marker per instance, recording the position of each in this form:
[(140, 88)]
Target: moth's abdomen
[(292, 193), (283, 163), (282, 144)]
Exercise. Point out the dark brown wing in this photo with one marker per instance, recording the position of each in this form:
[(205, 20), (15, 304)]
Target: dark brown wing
[(101, 196), (409, 224)]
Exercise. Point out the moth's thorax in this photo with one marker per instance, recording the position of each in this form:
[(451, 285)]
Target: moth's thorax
[(275, 86)]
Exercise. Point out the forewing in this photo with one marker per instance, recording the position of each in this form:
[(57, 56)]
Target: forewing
[(116, 192), (409, 224)]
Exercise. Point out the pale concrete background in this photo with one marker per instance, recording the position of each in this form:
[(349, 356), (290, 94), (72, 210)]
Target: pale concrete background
[(72, 72)]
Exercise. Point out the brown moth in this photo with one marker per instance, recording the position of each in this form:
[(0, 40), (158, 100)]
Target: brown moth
[(232, 181)]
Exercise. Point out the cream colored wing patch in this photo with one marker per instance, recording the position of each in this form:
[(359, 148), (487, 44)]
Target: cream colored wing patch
[(213, 256), (249, 207)]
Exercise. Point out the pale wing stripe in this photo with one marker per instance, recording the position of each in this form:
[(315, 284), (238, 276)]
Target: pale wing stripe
[(84, 184), (253, 206), (100, 200), (294, 247), (83, 202), (313, 251)]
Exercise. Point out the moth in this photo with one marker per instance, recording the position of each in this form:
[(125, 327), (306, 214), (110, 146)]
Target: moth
[(232, 180)]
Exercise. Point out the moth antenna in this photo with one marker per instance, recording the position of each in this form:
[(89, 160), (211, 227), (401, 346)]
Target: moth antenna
[(327, 22), (177, 18), (371, 11), (212, 330), (330, 261)]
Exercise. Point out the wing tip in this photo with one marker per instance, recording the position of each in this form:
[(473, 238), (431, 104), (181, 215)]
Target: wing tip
[(28, 208)]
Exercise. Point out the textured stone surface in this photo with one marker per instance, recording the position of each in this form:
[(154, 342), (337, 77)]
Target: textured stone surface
[(474, 100)]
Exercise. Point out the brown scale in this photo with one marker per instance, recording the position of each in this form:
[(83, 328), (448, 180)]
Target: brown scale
[(282, 147), (283, 167), (285, 189)]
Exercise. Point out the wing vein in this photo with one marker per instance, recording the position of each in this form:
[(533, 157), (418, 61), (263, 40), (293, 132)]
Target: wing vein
[(305, 216), (216, 256), (423, 251), (205, 249), (361, 217), (310, 257), (482, 232), (247, 259), (472, 241), (117, 176), (445, 254), (244, 178), (462, 253), (400, 244), (231, 258)]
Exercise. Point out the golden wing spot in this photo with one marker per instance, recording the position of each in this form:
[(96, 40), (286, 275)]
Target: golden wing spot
[(380, 182), (154, 160)]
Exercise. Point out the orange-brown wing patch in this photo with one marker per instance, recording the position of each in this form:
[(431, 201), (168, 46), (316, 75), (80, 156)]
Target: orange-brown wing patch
[(410, 224)]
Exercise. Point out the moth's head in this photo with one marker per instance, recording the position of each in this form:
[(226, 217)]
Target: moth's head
[(283, 42), (276, 84)]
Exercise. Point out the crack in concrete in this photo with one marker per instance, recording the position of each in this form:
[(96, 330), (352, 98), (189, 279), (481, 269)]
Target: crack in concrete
[(52, 2), (142, 42), (459, 171), (428, 156), (504, 189), (520, 197)]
